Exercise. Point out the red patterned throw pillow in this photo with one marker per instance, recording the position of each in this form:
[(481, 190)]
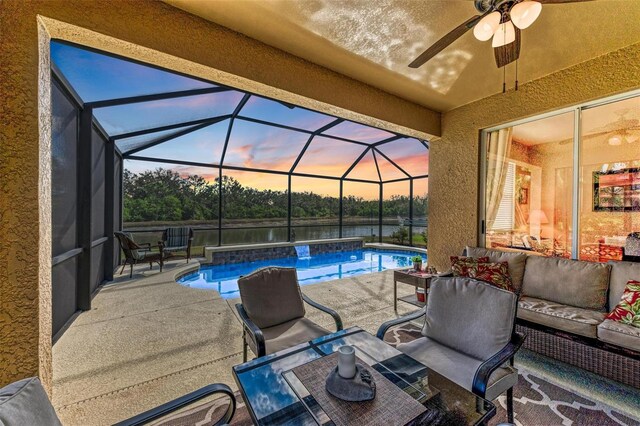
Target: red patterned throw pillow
[(628, 310), (461, 266), (496, 274)]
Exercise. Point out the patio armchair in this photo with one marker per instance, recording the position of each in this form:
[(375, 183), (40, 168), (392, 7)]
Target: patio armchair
[(25, 402), (468, 336), (176, 239), (134, 252), (273, 314)]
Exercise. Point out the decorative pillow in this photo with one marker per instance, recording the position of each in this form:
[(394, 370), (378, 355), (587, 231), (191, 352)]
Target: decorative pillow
[(628, 310), (496, 274), (460, 265)]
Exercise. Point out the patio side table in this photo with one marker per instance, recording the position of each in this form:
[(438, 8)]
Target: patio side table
[(414, 278)]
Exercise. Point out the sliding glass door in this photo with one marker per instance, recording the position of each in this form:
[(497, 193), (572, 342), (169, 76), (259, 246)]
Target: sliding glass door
[(575, 169), (609, 179)]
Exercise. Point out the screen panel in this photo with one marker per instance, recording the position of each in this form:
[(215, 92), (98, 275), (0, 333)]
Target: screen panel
[(64, 171), (260, 146), (118, 77), (200, 146), (276, 112)]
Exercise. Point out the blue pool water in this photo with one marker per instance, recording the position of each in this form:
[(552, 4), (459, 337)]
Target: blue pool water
[(311, 270)]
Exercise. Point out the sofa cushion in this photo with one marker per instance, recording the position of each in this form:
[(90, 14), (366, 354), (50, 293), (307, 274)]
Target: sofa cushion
[(462, 266), (627, 311), (26, 403), (567, 282), (458, 367), (271, 296), (621, 273), (562, 317), (620, 334), (493, 273), (469, 316), (515, 260)]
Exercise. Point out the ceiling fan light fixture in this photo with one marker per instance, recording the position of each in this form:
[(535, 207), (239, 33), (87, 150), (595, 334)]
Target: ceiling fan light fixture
[(504, 35), (525, 13), (487, 26)]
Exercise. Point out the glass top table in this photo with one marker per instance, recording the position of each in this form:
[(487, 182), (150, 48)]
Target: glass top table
[(275, 396)]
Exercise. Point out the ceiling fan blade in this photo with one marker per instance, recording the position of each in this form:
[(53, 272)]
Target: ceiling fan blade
[(445, 41), (561, 1), (509, 52)]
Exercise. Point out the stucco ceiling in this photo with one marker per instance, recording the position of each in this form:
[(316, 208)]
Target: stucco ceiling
[(374, 40)]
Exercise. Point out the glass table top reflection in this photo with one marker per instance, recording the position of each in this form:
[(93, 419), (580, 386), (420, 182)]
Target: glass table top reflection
[(274, 395)]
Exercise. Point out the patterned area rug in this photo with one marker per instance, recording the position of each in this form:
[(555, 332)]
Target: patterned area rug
[(537, 402)]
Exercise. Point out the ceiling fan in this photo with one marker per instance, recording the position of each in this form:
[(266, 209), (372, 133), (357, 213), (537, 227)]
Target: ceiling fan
[(500, 19), (623, 130)]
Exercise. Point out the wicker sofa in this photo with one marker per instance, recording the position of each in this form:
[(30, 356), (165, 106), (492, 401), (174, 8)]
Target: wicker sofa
[(562, 308)]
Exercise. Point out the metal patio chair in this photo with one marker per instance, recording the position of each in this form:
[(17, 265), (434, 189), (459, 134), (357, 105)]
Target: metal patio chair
[(468, 336), (272, 312), (25, 402)]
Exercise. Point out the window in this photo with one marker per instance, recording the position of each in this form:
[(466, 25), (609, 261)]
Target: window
[(543, 179)]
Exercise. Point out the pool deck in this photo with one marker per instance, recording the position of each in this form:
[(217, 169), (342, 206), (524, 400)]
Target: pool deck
[(148, 339)]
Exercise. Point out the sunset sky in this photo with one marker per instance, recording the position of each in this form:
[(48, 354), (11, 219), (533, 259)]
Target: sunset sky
[(97, 77)]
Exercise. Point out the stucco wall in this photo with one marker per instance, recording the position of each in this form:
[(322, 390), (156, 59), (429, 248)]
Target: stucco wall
[(454, 164), (145, 30)]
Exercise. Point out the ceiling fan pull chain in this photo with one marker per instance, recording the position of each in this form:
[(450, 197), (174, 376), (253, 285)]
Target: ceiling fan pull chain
[(516, 74), (504, 79)]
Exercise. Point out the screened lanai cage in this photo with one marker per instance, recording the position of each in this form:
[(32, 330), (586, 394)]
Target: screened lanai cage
[(140, 148)]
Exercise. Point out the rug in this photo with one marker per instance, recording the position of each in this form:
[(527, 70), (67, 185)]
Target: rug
[(537, 402)]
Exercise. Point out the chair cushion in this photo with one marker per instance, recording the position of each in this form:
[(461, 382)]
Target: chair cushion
[(627, 311), (567, 282), (562, 317), (515, 260), (621, 273), (470, 316), (458, 367), (271, 296), (178, 236), (619, 334), (25, 402), (291, 333)]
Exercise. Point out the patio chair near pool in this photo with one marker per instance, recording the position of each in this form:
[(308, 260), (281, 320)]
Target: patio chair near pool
[(25, 402), (176, 239), (469, 336), (134, 252), (273, 314)]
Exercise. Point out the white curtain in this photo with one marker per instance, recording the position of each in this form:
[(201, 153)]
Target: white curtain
[(498, 150)]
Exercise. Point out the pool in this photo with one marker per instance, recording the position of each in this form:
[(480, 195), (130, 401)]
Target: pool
[(311, 270)]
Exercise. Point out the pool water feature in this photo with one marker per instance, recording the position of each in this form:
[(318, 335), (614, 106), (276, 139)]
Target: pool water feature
[(311, 270), (303, 252)]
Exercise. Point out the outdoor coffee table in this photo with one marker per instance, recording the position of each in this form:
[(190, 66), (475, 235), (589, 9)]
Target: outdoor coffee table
[(273, 394), (414, 278)]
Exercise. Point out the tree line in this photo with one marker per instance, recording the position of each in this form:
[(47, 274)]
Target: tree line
[(164, 195)]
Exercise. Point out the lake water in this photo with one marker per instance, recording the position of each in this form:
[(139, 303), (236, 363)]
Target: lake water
[(278, 234)]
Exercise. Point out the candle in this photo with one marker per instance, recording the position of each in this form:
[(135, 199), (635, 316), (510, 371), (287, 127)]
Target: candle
[(346, 362)]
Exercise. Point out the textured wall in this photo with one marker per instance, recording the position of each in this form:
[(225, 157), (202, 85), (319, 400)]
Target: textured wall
[(146, 28), (454, 165)]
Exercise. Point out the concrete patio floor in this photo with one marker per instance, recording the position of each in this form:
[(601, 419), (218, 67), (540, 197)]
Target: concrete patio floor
[(148, 339)]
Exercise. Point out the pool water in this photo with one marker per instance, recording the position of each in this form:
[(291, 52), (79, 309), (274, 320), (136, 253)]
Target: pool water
[(311, 270)]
